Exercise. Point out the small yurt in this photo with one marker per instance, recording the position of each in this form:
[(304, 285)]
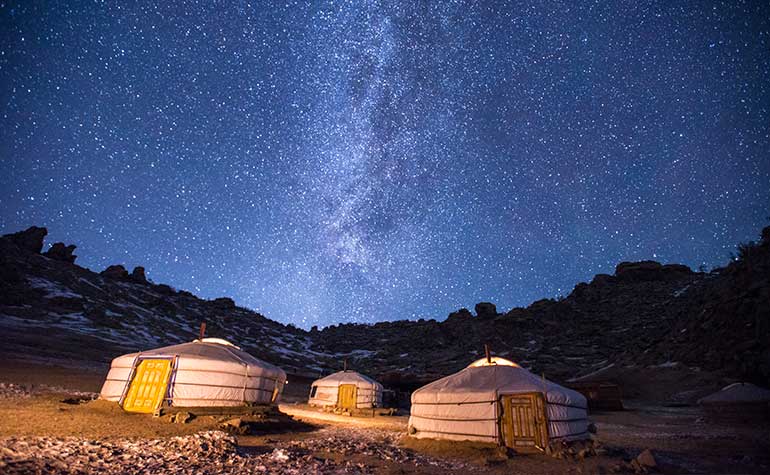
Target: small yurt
[(497, 401), (205, 372), (738, 402), (346, 390)]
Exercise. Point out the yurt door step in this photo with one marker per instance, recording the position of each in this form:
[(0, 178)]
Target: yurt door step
[(525, 428), (149, 385), (346, 396)]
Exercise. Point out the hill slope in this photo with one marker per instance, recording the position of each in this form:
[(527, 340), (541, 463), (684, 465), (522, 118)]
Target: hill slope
[(646, 314)]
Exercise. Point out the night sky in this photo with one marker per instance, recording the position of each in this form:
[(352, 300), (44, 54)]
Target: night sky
[(367, 161)]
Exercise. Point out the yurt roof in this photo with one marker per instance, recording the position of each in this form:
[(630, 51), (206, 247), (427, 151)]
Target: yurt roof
[(347, 376), (210, 349), (487, 380), (738, 393), (493, 361)]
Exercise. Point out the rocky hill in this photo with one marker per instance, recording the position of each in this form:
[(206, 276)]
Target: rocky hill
[(645, 315), (51, 308)]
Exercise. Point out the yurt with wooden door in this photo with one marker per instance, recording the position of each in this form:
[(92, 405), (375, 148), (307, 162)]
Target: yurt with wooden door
[(205, 372), (497, 401), (346, 390)]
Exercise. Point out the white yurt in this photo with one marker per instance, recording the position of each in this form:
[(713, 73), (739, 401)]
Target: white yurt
[(346, 389), (738, 402), (497, 401), (205, 372)]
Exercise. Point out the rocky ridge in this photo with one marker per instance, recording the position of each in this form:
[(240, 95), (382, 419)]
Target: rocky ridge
[(645, 314), (53, 309)]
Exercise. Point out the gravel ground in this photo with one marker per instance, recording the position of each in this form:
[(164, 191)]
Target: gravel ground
[(22, 391), (212, 452)]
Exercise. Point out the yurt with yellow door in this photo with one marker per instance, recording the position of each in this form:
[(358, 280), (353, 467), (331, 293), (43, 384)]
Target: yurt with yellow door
[(346, 390), (497, 401), (205, 372)]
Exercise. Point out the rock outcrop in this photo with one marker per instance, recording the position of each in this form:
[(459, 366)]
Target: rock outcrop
[(137, 275), (116, 271), (223, 302), (651, 270), (459, 316), (60, 252), (30, 240), (486, 310)]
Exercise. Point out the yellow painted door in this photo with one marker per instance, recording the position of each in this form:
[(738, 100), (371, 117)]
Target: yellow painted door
[(148, 388), (525, 426), (346, 396)]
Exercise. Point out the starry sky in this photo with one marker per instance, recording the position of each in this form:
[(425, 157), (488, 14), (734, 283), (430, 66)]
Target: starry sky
[(361, 161)]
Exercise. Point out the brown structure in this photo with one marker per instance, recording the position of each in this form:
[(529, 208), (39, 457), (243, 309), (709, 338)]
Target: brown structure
[(601, 395)]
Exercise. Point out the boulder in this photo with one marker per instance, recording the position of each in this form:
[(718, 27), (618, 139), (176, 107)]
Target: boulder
[(235, 425), (541, 304), (165, 289), (137, 275), (182, 418), (646, 459), (650, 271), (642, 270), (486, 309), (31, 239), (224, 302), (60, 252), (582, 291), (601, 280), (115, 272), (460, 315), (682, 269)]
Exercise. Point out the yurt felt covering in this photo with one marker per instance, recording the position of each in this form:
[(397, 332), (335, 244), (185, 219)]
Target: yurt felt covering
[(368, 391), (466, 405), (208, 372)]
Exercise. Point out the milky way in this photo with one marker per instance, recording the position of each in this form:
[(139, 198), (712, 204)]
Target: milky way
[(366, 161)]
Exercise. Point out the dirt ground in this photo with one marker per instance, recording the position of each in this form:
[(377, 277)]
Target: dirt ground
[(50, 407)]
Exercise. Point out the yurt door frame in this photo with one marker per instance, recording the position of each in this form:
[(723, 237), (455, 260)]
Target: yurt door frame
[(148, 385), (347, 396), (524, 422)]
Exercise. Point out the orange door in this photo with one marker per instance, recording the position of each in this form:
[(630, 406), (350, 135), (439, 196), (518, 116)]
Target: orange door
[(148, 388), (346, 396)]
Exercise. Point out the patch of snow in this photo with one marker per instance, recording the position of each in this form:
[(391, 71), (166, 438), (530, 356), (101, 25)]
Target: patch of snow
[(593, 373), (51, 288), (681, 291), (279, 455), (88, 282), (667, 364)]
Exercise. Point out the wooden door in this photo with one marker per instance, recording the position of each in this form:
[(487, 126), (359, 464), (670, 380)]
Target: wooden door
[(525, 426), (148, 388), (346, 396)]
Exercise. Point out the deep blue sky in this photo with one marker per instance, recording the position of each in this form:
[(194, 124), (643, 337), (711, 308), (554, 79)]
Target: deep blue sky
[(373, 161)]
